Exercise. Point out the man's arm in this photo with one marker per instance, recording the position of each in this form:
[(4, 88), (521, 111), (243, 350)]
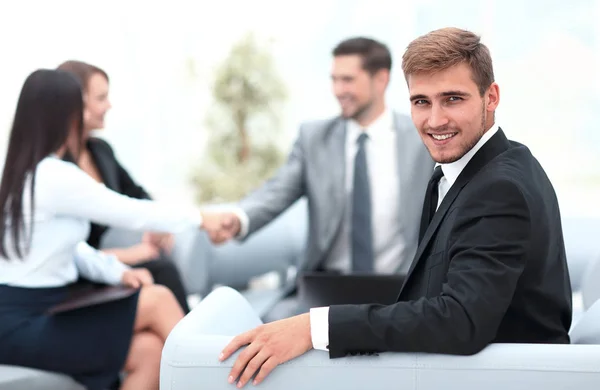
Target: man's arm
[(487, 250), (278, 193)]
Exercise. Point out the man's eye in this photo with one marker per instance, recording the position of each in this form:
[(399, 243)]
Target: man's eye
[(420, 102), (454, 98)]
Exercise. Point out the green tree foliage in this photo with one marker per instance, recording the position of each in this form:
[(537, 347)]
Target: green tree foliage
[(243, 125)]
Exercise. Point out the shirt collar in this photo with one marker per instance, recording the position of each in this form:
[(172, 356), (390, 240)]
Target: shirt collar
[(452, 170), (384, 122)]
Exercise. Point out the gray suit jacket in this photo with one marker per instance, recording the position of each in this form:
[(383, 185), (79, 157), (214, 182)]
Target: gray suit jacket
[(316, 169)]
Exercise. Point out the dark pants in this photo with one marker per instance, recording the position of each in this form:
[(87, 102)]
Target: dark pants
[(165, 272)]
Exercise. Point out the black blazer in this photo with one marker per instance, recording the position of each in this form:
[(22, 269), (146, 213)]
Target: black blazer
[(491, 268), (114, 177)]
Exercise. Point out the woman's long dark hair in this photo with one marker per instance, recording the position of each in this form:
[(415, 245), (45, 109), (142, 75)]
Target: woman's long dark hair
[(49, 111)]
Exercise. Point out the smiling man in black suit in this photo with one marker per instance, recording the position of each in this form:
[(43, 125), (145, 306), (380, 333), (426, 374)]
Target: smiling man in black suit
[(490, 266)]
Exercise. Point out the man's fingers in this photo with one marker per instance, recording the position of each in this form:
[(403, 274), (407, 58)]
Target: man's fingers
[(220, 228), (227, 221), (224, 235), (236, 343), (242, 361), (268, 366), (168, 243), (252, 367), (213, 235), (219, 236), (270, 345)]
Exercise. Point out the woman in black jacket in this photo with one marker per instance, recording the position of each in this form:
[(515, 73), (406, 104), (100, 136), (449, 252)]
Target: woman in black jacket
[(99, 161)]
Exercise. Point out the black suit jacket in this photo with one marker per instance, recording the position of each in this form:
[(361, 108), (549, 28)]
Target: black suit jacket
[(114, 177), (491, 268)]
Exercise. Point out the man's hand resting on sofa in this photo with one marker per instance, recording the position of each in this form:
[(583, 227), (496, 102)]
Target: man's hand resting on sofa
[(268, 346)]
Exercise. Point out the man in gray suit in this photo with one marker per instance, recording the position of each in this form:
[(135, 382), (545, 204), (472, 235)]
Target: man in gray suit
[(364, 174)]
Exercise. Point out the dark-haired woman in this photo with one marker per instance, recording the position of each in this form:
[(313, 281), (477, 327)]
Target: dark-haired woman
[(98, 160), (46, 206)]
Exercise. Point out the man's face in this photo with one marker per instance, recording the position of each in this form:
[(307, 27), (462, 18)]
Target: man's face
[(354, 87), (449, 112)]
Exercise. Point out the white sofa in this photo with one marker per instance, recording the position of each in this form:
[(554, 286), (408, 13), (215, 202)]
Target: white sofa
[(189, 359), (277, 247), (190, 355)]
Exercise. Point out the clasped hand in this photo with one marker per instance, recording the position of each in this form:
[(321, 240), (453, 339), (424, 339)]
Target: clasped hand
[(221, 226)]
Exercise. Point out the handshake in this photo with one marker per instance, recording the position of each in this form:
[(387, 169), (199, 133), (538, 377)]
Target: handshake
[(221, 226)]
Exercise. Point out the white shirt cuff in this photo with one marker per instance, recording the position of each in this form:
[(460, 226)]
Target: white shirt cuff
[(196, 215), (115, 278), (244, 221), (98, 266), (319, 328)]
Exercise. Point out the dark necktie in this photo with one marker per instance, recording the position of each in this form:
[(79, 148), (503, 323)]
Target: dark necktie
[(431, 201), (362, 234)]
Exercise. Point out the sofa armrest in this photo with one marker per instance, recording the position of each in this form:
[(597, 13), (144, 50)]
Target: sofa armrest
[(192, 363), (23, 378), (190, 360)]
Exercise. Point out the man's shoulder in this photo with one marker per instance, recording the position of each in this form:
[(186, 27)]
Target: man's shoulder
[(400, 121), (322, 124), (516, 158), (403, 121), (514, 168)]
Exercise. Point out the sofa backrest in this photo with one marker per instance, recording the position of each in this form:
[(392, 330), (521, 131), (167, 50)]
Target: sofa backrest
[(587, 329)]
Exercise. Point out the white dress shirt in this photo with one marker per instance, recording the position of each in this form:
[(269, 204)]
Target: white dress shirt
[(382, 162), (452, 171), (66, 200), (319, 317)]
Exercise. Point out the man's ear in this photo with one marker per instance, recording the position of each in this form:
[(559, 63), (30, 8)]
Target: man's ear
[(382, 78), (492, 98)]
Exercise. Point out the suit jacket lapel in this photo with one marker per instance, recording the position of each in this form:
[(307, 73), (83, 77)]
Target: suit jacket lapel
[(337, 152), (414, 166), (403, 163), (406, 159), (496, 145), (333, 200)]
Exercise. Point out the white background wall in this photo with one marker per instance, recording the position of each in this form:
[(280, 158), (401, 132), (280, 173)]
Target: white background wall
[(546, 53)]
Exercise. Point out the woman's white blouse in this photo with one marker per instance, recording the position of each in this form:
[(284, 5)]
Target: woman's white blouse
[(66, 200)]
